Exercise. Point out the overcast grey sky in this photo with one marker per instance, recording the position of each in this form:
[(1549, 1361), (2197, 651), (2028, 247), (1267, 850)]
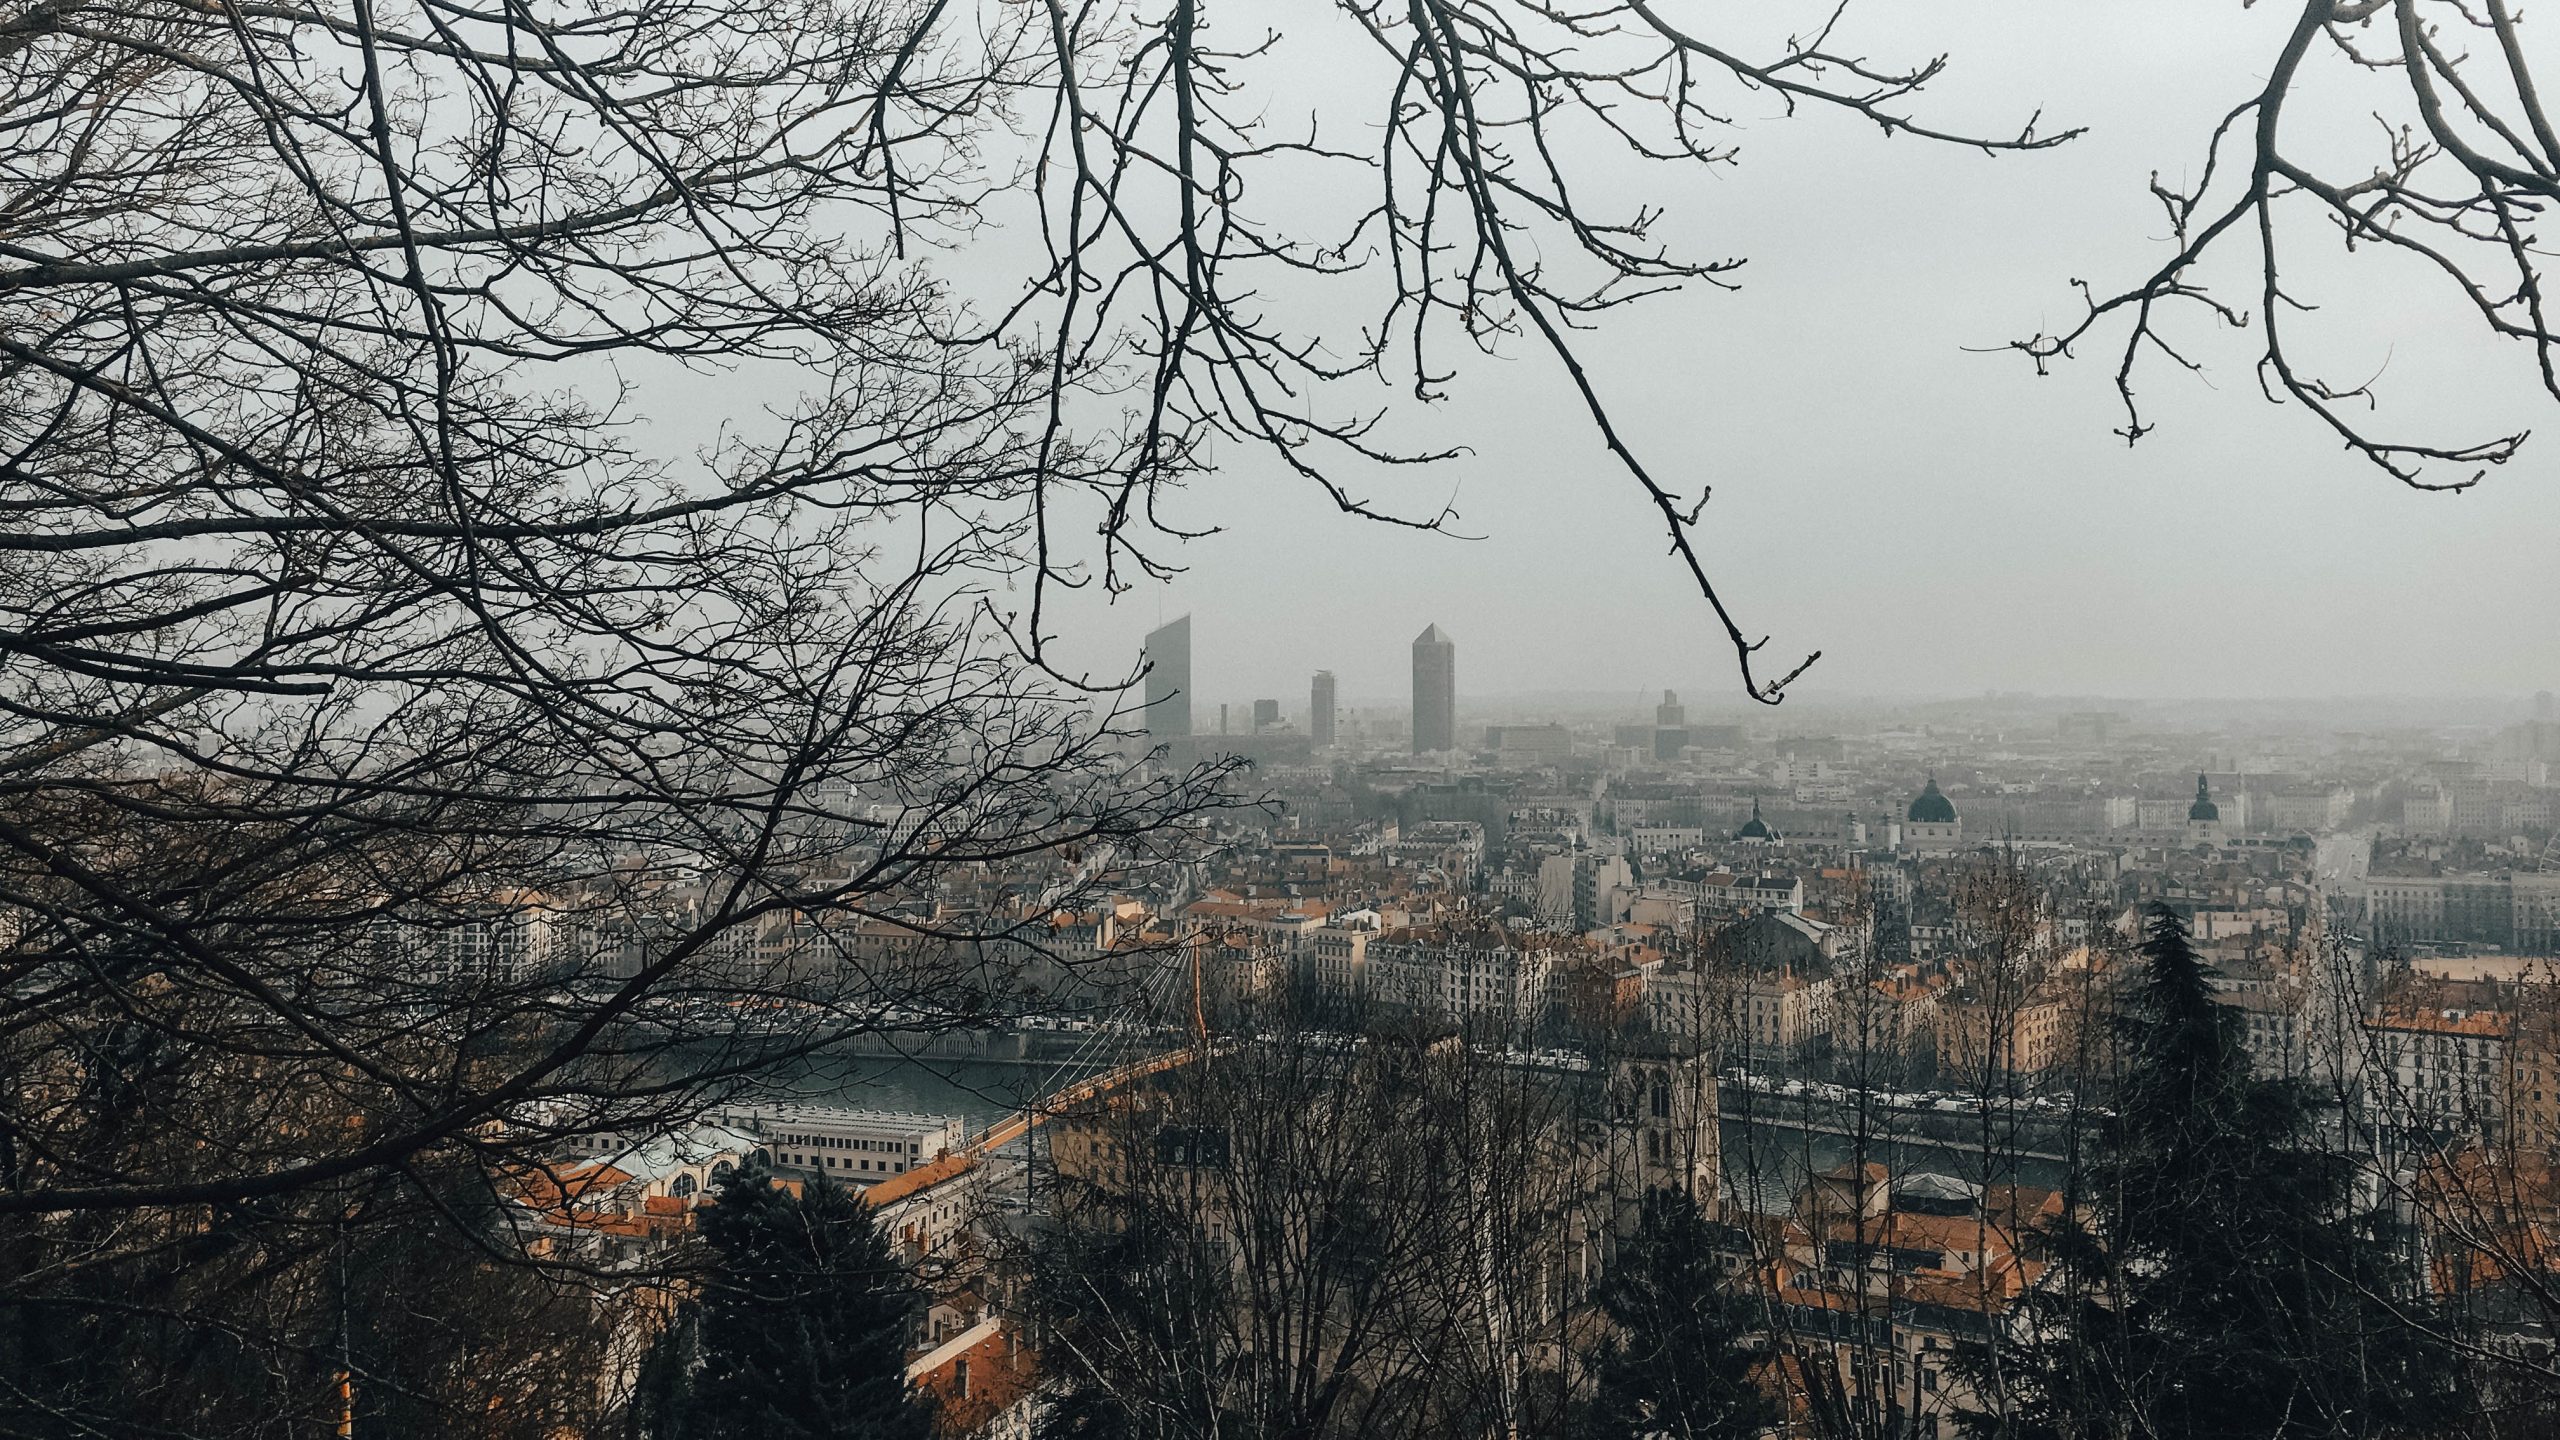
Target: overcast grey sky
[(1935, 521)]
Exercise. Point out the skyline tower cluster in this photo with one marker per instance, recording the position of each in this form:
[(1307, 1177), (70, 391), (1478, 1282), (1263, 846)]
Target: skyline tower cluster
[(1167, 657)]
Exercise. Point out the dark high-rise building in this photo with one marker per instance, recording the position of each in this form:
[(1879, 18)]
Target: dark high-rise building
[(1435, 692), (1320, 709), (1168, 657), (1670, 727), (1266, 715)]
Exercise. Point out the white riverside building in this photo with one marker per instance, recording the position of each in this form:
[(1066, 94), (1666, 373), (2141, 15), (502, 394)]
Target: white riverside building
[(846, 1145)]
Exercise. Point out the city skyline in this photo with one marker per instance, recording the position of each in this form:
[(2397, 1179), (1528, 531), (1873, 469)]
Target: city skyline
[(1240, 674), (619, 827)]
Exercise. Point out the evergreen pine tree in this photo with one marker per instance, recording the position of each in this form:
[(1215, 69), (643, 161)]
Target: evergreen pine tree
[(801, 1329), (2218, 1281), (662, 1403), (1675, 1365)]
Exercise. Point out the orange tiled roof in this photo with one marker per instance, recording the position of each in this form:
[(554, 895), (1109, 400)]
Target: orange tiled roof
[(923, 1177), (2490, 1259), (2492, 1024), (1907, 1230), (546, 1189), (1001, 1373)]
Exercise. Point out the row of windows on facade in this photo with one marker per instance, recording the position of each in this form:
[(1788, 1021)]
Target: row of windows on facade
[(833, 1162), (838, 1142)]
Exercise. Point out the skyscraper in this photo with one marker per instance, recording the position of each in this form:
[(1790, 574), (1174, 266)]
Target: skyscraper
[(1320, 709), (1168, 657), (1670, 727), (1435, 692)]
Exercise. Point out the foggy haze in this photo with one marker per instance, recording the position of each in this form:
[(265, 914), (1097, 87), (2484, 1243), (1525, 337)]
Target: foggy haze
[(890, 720), (1935, 521)]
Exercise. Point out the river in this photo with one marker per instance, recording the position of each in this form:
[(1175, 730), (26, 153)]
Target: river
[(979, 1091), (1765, 1160)]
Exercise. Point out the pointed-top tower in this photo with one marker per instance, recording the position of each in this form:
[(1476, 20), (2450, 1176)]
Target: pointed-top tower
[(1435, 691), (2204, 818), (1756, 831)]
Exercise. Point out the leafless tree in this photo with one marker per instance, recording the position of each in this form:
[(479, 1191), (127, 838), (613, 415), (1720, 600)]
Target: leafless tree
[(408, 764), (1325, 1233), (2457, 162), (2465, 1176)]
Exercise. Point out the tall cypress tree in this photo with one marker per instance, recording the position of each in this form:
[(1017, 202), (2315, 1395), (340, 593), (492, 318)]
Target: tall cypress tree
[(2218, 1280), (801, 1329), (1674, 1365)]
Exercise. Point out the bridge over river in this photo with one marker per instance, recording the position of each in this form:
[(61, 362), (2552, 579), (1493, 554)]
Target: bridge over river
[(1770, 1140)]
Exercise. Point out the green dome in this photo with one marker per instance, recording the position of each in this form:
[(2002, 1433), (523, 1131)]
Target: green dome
[(1755, 828), (1932, 807), (2204, 808)]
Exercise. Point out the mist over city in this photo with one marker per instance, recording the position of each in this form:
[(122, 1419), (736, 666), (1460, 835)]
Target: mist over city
[(1310, 720)]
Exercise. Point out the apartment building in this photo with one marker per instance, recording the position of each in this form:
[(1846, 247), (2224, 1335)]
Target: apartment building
[(2515, 911), (2442, 1069)]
